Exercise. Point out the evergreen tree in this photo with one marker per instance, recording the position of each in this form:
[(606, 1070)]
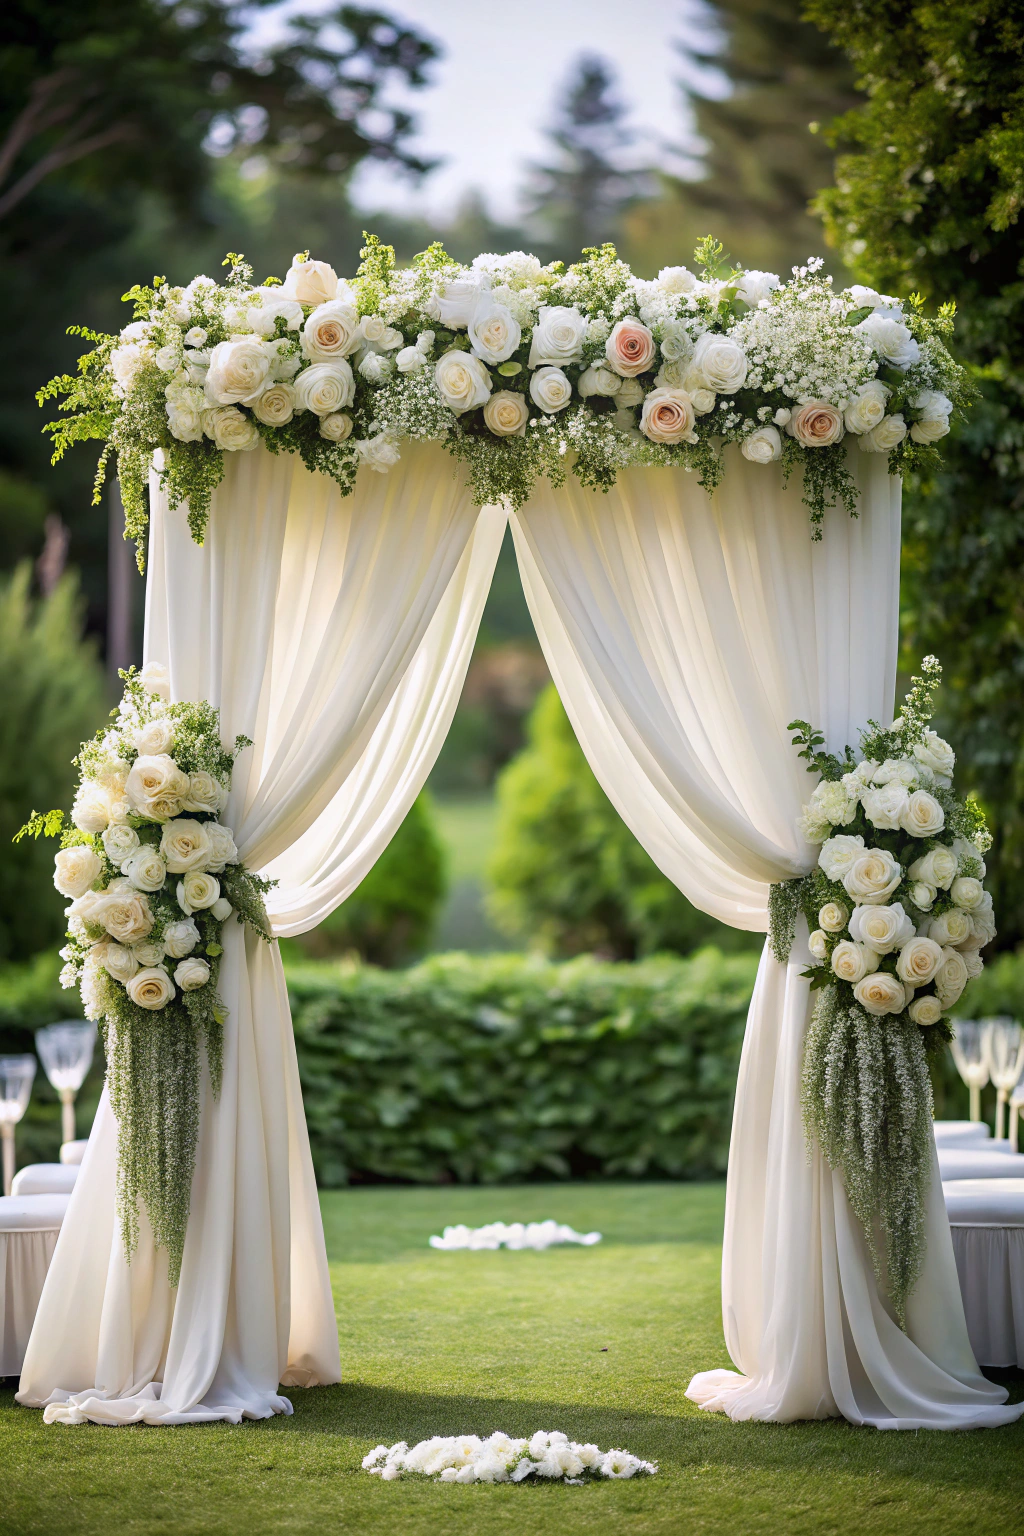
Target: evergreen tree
[(763, 159), (929, 200), (579, 199)]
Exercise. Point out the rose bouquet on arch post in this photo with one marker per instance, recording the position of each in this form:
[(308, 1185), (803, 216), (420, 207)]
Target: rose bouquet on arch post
[(897, 916), (152, 875)]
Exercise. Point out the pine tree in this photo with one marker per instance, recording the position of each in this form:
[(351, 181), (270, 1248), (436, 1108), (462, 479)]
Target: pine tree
[(763, 159), (579, 199)]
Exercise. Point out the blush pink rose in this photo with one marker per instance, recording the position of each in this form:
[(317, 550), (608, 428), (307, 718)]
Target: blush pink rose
[(667, 416), (816, 425), (630, 348)]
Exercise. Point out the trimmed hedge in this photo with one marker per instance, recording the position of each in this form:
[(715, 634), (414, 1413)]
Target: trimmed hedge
[(508, 1067)]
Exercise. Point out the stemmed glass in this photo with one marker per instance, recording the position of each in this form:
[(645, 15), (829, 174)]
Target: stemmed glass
[(65, 1051), (1005, 1057), (16, 1074), (971, 1057)]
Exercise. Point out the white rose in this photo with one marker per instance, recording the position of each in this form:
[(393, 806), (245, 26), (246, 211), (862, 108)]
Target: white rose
[(378, 453), (462, 381), (197, 891), (965, 891), (84, 912), (951, 978), (325, 387), (922, 816), (890, 339), (598, 380), (154, 783), (952, 927), (375, 368), (676, 342), (884, 807), (192, 974), (205, 793), (831, 801), (935, 410), (337, 427), (816, 424), (851, 962), (185, 406), (882, 928), (923, 895), (939, 868), (872, 877), (630, 392), (866, 408), (818, 944), (91, 810), (919, 959), (754, 286), (557, 336), (119, 962), (410, 360), (185, 845), (925, 1010), (763, 446), (75, 870), (677, 374), (972, 960), (506, 414), (276, 406), (833, 917), (151, 988), (145, 868), (929, 429), (310, 282), (864, 298), (457, 304), (494, 332), (221, 909), (550, 389), (126, 918), (127, 362), (155, 678), (285, 360), (230, 429), (263, 317), (896, 770), (155, 738), (676, 280), (982, 920), (722, 362), (238, 371), (119, 843), (880, 994), (222, 847), (890, 431), (180, 938), (838, 854), (938, 756)]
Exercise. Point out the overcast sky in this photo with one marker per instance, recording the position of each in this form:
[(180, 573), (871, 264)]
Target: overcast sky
[(493, 91)]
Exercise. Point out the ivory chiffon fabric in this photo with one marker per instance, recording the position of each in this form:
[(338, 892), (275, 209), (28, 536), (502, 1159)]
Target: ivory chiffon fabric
[(684, 632), (335, 632)]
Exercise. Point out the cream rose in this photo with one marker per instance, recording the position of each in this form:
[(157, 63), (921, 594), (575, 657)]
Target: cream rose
[(935, 410), (462, 381), (192, 974), (230, 429), (923, 895), (919, 959), (197, 891), (721, 362), (598, 380), (763, 446), (325, 388), (965, 891), (75, 870), (815, 424), (238, 371), (818, 944), (155, 678), (881, 928), (852, 961), (151, 988), (925, 1010), (938, 867), (221, 909), (155, 738), (952, 927), (276, 406), (185, 845), (951, 977), (119, 843), (667, 417), (91, 810), (881, 994), (156, 781), (126, 918), (506, 414), (222, 847), (458, 303), (557, 336), (205, 793), (865, 409), (872, 877), (119, 962), (922, 816), (494, 332), (331, 332), (630, 348), (148, 952), (145, 868), (890, 432), (336, 427), (310, 282), (550, 389), (937, 756), (833, 917), (838, 854), (180, 938)]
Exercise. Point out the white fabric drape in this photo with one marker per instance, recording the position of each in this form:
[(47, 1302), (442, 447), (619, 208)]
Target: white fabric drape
[(335, 632), (684, 632)]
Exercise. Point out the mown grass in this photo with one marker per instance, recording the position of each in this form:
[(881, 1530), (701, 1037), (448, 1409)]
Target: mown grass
[(600, 1342)]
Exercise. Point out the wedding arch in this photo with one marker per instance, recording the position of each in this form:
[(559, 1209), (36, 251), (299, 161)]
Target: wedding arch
[(702, 476)]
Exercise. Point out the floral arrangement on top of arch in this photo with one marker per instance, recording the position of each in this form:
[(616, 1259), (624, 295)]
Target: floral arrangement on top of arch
[(517, 368), (898, 916)]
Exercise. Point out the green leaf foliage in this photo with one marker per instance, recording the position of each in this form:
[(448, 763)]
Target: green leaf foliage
[(506, 1067)]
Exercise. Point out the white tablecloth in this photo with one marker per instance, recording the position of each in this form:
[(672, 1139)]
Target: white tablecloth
[(981, 1162), (45, 1179), (986, 1218), (959, 1133), (29, 1227)]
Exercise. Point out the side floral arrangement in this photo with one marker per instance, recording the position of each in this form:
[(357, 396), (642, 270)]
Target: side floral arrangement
[(152, 876), (898, 916), (519, 369)]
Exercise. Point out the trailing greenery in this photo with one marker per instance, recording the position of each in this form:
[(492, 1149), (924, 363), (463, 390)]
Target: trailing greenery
[(508, 1067)]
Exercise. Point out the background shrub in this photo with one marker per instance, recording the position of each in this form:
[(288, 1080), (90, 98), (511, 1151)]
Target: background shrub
[(509, 1067)]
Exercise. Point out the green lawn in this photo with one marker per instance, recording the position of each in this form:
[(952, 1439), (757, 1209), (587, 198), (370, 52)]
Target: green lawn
[(468, 826), (599, 1342)]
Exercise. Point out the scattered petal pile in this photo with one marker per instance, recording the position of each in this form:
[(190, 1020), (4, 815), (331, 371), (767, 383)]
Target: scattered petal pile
[(499, 1234), (501, 1459)]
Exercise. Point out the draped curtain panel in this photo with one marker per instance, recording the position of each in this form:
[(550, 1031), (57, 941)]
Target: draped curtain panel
[(336, 633), (684, 632)]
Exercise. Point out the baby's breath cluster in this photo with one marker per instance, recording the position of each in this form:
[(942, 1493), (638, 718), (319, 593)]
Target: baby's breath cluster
[(521, 370)]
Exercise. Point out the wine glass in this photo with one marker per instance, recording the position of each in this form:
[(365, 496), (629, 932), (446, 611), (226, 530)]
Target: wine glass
[(65, 1051), (971, 1057), (16, 1074), (1005, 1058)]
